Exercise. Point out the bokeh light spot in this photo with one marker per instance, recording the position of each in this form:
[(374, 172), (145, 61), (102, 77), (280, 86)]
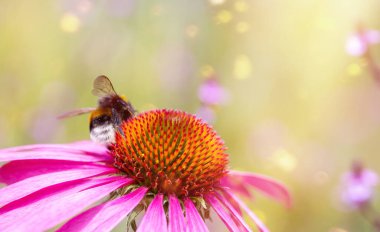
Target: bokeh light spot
[(70, 23), (242, 27), (285, 160), (242, 67), (223, 16)]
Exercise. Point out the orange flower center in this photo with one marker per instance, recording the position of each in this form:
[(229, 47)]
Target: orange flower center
[(171, 152)]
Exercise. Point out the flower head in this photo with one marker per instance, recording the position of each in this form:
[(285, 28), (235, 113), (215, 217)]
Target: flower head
[(211, 92), (171, 152), (357, 44), (358, 186), (168, 164)]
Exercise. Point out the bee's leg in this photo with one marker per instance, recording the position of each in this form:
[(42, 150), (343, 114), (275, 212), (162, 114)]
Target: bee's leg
[(117, 121)]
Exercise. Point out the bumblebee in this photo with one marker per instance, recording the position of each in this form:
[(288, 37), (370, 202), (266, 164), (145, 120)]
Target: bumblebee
[(108, 117)]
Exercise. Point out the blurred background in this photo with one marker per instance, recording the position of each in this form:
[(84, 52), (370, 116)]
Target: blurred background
[(275, 78)]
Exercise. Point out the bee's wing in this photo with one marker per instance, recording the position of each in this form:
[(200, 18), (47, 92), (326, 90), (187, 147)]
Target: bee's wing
[(103, 87), (76, 112)]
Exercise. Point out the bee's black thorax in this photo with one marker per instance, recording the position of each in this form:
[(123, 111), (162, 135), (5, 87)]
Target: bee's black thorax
[(119, 108), (108, 118), (100, 120)]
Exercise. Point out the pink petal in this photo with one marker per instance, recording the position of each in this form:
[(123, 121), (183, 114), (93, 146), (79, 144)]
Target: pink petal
[(233, 203), (223, 213), (194, 222), (237, 186), (265, 184), (242, 224), (81, 151), (18, 170), (52, 205), (77, 147), (90, 146), (176, 218), (257, 221), (52, 155), (154, 218), (106, 216), (20, 189)]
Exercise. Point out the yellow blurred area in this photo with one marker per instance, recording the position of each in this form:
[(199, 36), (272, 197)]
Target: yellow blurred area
[(242, 27), (241, 6), (300, 108), (242, 67), (284, 160), (207, 71), (192, 31), (223, 16), (70, 23)]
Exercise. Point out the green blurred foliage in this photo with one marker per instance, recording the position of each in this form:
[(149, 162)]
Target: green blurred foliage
[(301, 108)]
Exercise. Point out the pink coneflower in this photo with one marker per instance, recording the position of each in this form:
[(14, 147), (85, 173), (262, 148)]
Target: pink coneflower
[(168, 164)]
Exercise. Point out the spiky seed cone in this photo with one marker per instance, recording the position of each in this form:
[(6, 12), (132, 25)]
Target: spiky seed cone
[(171, 152)]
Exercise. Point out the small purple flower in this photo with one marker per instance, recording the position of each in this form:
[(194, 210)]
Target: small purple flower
[(357, 44), (358, 186), (212, 93)]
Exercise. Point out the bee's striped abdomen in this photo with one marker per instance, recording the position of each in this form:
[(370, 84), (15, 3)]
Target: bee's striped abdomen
[(102, 129)]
